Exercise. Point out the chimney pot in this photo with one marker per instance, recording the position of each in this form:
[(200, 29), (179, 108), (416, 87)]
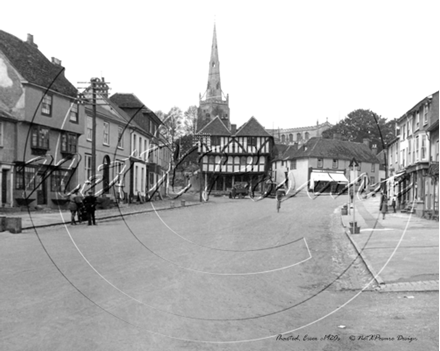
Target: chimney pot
[(56, 61)]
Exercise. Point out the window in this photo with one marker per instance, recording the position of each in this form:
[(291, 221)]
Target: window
[(307, 135), (417, 120), (252, 141), (417, 148), (73, 117), (89, 129), (423, 146), (140, 147), (404, 131), (425, 114), (106, 135), (372, 180), (88, 166), (24, 176), (335, 164), (1, 134), (69, 143), (119, 168), (290, 138), (58, 180), (40, 137), (436, 154), (46, 106), (120, 137), (145, 150), (293, 164), (373, 168), (298, 136), (319, 163), (134, 145), (243, 160), (215, 141)]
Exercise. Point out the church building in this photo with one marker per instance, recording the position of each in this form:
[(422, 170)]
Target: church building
[(229, 154)]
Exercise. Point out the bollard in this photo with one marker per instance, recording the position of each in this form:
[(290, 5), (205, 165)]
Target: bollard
[(13, 224), (2, 223), (182, 202)]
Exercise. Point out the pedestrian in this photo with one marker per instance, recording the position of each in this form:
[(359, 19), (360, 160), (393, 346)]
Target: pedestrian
[(73, 208), (384, 204), (279, 194), (90, 204), (393, 203), (79, 203)]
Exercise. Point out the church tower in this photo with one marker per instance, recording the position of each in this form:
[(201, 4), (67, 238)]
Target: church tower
[(213, 103)]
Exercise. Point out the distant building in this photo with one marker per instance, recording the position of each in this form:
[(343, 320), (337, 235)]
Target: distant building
[(228, 154), (414, 170), (149, 158), (298, 135), (213, 102), (41, 121), (321, 162)]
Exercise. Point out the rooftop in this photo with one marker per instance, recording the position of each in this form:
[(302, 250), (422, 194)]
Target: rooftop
[(33, 66)]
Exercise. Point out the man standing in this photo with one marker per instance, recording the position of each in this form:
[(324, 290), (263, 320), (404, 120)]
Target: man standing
[(90, 204)]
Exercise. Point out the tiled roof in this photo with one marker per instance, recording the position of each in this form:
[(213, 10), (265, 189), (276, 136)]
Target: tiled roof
[(334, 148), (215, 127), (33, 66), (252, 128), (128, 101)]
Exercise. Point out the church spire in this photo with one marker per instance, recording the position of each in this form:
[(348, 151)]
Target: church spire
[(214, 89)]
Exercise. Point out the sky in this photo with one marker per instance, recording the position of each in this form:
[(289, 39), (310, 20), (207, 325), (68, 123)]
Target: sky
[(287, 63)]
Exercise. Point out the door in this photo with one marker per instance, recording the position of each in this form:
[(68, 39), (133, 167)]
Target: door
[(4, 186), (41, 190), (106, 174)]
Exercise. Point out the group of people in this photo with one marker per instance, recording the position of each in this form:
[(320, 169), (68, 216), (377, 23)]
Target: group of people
[(79, 205), (384, 204)]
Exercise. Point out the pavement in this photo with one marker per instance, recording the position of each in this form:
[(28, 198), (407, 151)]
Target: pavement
[(400, 251), (32, 220)]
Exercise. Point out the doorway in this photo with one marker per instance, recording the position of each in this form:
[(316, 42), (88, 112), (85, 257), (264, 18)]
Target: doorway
[(4, 187)]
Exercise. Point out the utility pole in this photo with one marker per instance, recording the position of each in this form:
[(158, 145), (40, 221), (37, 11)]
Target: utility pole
[(93, 82), (97, 86)]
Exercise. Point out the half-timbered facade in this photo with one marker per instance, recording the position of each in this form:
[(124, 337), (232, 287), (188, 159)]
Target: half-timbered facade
[(230, 156)]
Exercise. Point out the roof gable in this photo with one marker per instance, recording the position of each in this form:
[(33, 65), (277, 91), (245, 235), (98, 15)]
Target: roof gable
[(215, 127), (252, 128), (33, 66)]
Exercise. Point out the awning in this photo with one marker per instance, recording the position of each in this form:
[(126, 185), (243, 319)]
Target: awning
[(338, 177), (318, 177)]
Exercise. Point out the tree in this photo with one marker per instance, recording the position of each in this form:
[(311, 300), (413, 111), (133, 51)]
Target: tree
[(172, 128), (190, 121), (360, 124)]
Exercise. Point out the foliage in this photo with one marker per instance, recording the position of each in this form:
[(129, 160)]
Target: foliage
[(190, 121), (360, 124), (172, 128)]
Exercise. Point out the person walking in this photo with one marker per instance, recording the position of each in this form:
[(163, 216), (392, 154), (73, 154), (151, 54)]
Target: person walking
[(79, 203), (279, 194), (384, 204), (393, 203), (90, 204), (73, 207)]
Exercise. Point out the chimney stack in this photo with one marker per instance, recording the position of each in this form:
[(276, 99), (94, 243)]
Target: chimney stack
[(56, 61), (233, 129), (374, 149), (30, 40)]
